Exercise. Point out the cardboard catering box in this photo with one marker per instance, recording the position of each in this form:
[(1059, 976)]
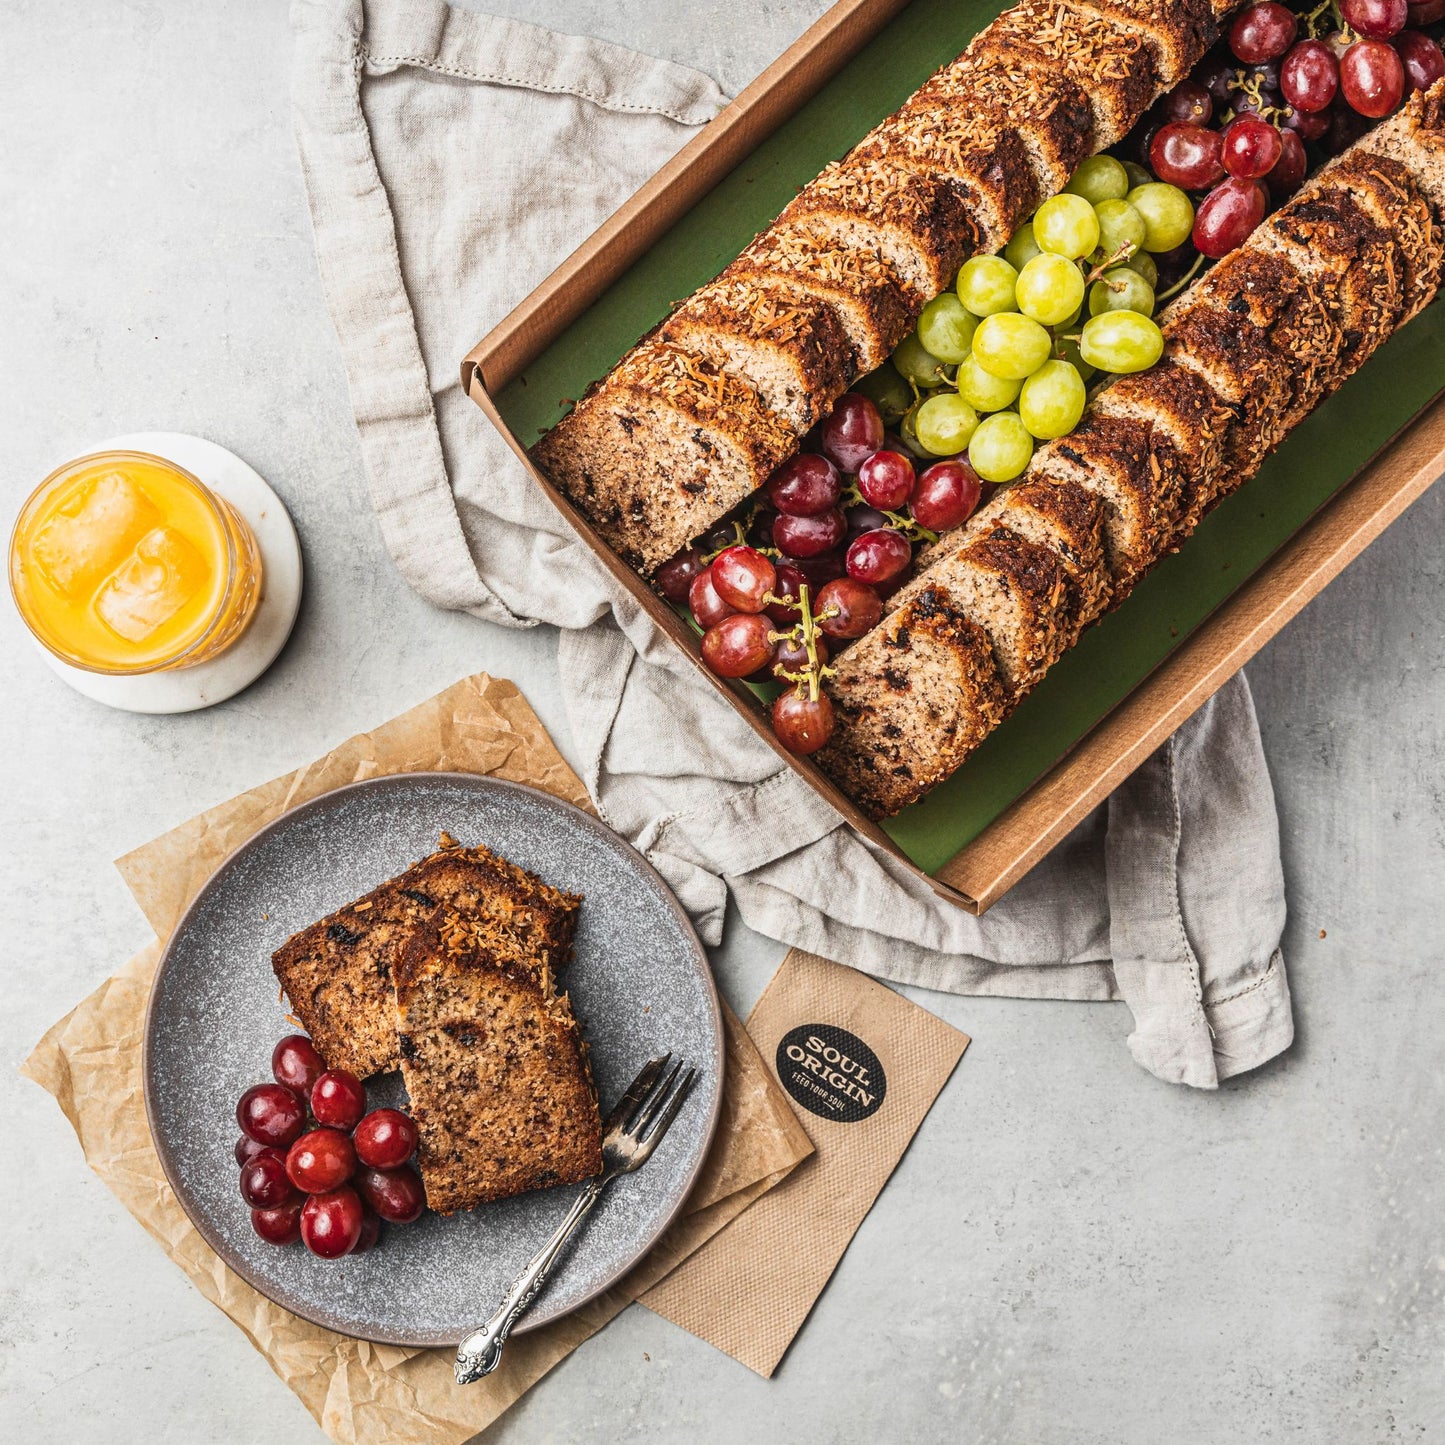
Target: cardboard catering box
[(1253, 564)]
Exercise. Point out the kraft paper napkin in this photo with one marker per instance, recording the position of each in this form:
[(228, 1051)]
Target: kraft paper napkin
[(360, 1393), (864, 1065)]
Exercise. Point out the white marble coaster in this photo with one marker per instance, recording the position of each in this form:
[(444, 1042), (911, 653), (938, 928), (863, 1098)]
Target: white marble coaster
[(190, 688)]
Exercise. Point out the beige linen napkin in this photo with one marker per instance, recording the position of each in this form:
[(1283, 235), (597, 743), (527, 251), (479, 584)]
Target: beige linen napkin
[(360, 1393)]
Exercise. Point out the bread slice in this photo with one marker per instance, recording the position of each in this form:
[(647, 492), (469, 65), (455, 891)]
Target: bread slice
[(911, 700), (661, 448), (1349, 258), (861, 289), (1415, 136), (338, 973), (494, 1063), (989, 166), (1112, 63), (1020, 593), (1047, 111), (790, 346), (917, 224), (1385, 190), (1117, 459), (1190, 428), (1177, 33)]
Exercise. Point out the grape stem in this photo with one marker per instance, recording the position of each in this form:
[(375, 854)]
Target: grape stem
[(915, 531), (1314, 23), (805, 630), (1183, 281), (1123, 253)]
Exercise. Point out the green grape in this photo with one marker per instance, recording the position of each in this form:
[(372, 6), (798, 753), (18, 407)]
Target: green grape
[(1121, 289), (986, 285), (1143, 263), (1120, 225), (982, 389), (1022, 248), (916, 363), (1168, 215), (1121, 342), (1100, 178), (1067, 226), (944, 424), (1138, 175), (946, 328), (1001, 447), (887, 390), (1052, 400), (1049, 288), (1010, 345), (908, 431), (1067, 323), (1067, 350)]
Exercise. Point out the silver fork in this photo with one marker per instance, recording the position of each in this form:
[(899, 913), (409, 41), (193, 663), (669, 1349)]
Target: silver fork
[(632, 1131)]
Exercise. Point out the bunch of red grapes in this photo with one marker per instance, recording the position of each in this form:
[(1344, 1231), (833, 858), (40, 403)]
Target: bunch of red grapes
[(328, 1178), (833, 536), (1236, 130)]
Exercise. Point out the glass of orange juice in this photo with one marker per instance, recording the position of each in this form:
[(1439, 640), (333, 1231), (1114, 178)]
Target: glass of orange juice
[(124, 563)]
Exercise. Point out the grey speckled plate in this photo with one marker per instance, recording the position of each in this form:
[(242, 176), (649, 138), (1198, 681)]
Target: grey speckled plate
[(640, 984)]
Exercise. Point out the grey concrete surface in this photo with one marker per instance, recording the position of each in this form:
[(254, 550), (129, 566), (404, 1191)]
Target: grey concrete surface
[(1070, 1252)]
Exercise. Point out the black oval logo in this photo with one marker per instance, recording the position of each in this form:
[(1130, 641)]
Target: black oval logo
[(831, 1072)]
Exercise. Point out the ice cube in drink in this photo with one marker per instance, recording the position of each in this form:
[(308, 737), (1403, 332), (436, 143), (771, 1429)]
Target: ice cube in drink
[(92, 531), (150, 586)]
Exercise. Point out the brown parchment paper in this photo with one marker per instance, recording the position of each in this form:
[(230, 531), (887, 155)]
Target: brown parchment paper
[(360, 1393), (749, 1289)]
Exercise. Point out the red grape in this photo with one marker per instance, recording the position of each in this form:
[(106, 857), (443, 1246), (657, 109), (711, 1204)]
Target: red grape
[(854, 431), (396, 1194), (676, 575), (708, 609), (805, 486), (370, 1231), (270, 1114), (1375, 19), (760, 527), (1308, 125), (854, 608), (821, 569), (321, 1160), (1227, 216), (281, 1225), (264, 1181), (738, 646), (338, 1099), (1310, 76), (864, 519), (1188, 101), (1346, 126), (1250, 147), (1216, 75), (886, 480), (792, 657), (385, 1138), (1424, 12), (1262, 32), (1290, 170), (1372, 78), (1186, 155), (331, 1223), (742, 577), (946, 496), (296, 1064), (810, 536), (247, 1149), (789, 585), (803, 724), (1422, 59), (879, 556)]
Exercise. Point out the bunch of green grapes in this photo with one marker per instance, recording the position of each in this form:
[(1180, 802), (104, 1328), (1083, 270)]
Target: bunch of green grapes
[(1002, 360)]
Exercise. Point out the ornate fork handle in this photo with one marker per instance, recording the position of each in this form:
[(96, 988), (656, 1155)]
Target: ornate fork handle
[(481, 1351)]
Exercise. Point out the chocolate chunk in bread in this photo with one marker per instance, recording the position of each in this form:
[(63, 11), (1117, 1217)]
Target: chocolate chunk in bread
[(494, 1062), (338, 973)]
